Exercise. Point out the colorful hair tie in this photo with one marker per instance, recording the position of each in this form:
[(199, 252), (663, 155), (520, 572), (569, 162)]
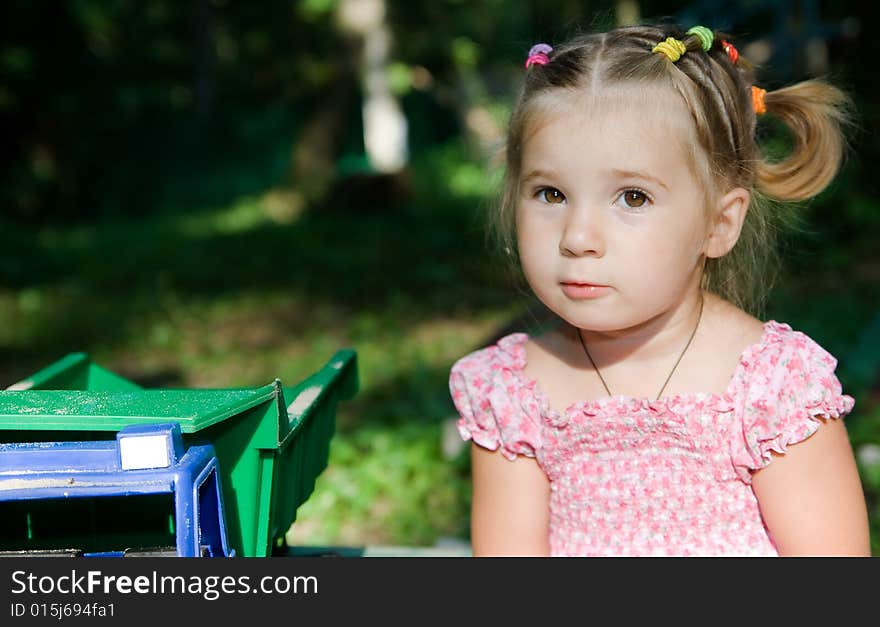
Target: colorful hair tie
[(706, 36), (538, 55), (758, 100), (731, 51), (672, 48)]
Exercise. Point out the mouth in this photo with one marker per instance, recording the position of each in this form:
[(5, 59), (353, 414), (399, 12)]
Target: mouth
[(582, 284), (576, 290)]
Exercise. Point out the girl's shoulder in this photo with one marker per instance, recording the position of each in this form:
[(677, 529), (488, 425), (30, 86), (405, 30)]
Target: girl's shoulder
[(506, 351), (787, 388), (764, 346), (788, 363), (486, 389), (767, 358), (745, 353)]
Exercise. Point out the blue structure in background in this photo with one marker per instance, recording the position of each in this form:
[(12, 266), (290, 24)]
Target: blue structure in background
[(140, 495)]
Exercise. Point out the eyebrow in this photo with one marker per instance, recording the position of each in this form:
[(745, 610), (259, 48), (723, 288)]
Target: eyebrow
[(537, 174), (639, 175), (534, 174)]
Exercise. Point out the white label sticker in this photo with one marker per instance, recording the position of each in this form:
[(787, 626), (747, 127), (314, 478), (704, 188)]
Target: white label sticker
[(146, 451)]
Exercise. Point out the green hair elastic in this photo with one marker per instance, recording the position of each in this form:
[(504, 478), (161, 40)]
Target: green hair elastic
[(705, 36)]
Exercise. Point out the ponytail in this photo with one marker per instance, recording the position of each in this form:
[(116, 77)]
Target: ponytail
[(815, 113)]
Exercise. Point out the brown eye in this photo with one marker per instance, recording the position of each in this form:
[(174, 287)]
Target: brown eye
[(634, 198), (551, 196)]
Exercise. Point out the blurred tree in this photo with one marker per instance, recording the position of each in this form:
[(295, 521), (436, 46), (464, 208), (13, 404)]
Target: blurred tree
[(385, 126)]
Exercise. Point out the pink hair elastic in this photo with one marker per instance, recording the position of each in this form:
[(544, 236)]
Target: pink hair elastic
[(538, 55)]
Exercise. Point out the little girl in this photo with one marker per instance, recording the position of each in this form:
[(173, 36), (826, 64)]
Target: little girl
[(658, 417)]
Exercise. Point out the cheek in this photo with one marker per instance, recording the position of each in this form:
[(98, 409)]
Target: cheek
[(683, 237), (532, 257), (536, 258), (535, 237), (658, 256)]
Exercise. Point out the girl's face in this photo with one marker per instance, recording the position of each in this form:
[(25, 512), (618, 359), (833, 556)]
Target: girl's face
[(608, 198)]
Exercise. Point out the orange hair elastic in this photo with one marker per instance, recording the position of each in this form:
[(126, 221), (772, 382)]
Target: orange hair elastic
[(758, 100)]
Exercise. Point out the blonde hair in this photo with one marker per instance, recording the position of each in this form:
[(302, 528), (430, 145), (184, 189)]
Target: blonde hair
[(725, 152)]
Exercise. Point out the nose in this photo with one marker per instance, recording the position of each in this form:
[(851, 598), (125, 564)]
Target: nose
[(583, 234)]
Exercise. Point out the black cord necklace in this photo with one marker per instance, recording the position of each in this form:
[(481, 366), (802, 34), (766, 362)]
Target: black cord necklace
[(693, 333)]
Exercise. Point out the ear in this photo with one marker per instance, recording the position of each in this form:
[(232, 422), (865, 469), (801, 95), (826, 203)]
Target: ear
[(727, 224)]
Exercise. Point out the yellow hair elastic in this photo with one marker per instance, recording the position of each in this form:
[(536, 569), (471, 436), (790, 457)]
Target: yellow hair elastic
[(672, 48), (758, 100)]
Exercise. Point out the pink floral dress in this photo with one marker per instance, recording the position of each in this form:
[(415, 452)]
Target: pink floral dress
[(633, 476)]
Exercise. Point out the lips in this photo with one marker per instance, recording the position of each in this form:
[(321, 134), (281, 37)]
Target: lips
[(583, 284), (584, 291)]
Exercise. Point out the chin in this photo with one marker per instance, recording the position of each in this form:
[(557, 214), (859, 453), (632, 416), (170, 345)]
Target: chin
[(592, 319)]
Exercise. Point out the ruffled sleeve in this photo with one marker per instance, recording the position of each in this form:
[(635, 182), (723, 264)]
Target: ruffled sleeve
[(494, 410), (790, 386)]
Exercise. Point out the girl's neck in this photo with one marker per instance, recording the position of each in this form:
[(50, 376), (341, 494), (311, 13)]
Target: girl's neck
[(654, 339)]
